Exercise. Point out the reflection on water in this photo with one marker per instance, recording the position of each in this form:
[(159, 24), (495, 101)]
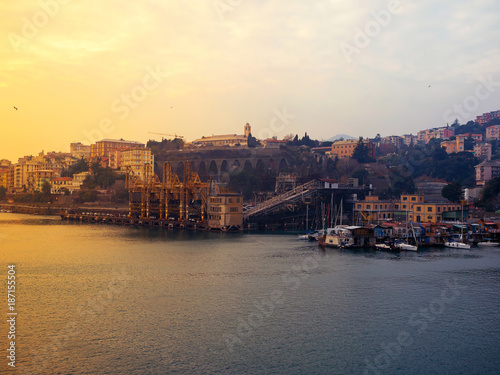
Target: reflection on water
[(123, 300)]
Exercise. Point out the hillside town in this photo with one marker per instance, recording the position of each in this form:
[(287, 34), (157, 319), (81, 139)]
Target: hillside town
[(449, 170)]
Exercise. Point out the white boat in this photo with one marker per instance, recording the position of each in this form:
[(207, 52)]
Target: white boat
[(382, 246), (313, 236), (487, 244), (406, 246), (457, 245)]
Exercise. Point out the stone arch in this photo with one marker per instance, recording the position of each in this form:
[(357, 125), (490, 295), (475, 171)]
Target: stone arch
[(212, 169), (271, 165), (224, 167), (202, 170), (283, 167), (248, 166), (259, 167)]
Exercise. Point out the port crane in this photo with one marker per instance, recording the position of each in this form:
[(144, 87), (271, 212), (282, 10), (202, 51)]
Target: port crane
[(168, 135)]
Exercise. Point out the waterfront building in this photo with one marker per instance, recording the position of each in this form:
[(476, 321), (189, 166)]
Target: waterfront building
[(79, 150), (103, 147), (411, 207), (229, 140), (225, 211), (135, 161), (344, 149), (487, 170)]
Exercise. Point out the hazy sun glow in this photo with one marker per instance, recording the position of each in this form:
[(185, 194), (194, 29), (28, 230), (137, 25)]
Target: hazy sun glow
[(208, 67)]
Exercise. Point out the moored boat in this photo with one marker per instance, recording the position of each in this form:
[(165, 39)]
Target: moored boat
[(457, 244), (339, 237), (487, 243), (406, 246)]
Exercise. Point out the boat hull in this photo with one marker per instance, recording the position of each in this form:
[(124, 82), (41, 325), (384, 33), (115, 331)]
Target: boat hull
[(457, 245), (487, 244)]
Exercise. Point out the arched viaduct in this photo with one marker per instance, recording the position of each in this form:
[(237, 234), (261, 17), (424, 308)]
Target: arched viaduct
[(216, 168)]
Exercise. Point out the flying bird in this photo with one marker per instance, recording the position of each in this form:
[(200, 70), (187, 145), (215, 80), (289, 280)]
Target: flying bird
[(15, 108), (429, 85)]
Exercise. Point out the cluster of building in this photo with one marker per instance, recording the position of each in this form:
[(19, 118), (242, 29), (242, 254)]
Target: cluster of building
[(30, 173), (410, 207)]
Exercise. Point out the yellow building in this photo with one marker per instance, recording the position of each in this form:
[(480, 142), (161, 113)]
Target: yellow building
[(411, 207), (79, 150), (37, 178), (373, 210), (4, 178), (135, 160), (225, 211), (457, 145), (344, 149), (102, 148)]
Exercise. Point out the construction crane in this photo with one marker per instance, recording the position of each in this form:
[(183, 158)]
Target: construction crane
[(169, 135)]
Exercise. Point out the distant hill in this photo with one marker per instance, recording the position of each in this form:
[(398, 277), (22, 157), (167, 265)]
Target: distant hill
[(338, 136)]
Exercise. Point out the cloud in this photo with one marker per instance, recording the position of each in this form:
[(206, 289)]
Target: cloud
[(224, 71)]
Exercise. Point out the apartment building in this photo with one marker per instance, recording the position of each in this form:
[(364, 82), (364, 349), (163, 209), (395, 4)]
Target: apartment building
[(487, 170), (344, 149), (103, 147), (135, 160), (411, 207)]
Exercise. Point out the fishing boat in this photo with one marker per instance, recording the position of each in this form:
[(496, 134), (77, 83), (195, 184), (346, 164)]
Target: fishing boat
[(338, 236)]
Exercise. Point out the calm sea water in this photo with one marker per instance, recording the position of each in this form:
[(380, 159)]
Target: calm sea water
[(98, 299)]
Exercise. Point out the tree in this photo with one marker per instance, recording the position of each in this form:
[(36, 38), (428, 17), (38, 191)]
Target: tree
[(80, 166), (490, 195), (252, 141), (453, 192), (360, 153), (46, 189)]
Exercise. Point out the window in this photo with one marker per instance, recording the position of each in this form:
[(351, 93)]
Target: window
[(429, 209), (404, 206), (396, 206), (419, 208), (405, 198), (359, 207), (376, 207), (413, 199), (368, 206)]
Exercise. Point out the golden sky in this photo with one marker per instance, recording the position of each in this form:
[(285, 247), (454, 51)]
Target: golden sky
[(82, 71)]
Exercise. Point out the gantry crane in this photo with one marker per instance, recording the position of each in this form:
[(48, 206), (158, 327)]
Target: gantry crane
[(169, 135)]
